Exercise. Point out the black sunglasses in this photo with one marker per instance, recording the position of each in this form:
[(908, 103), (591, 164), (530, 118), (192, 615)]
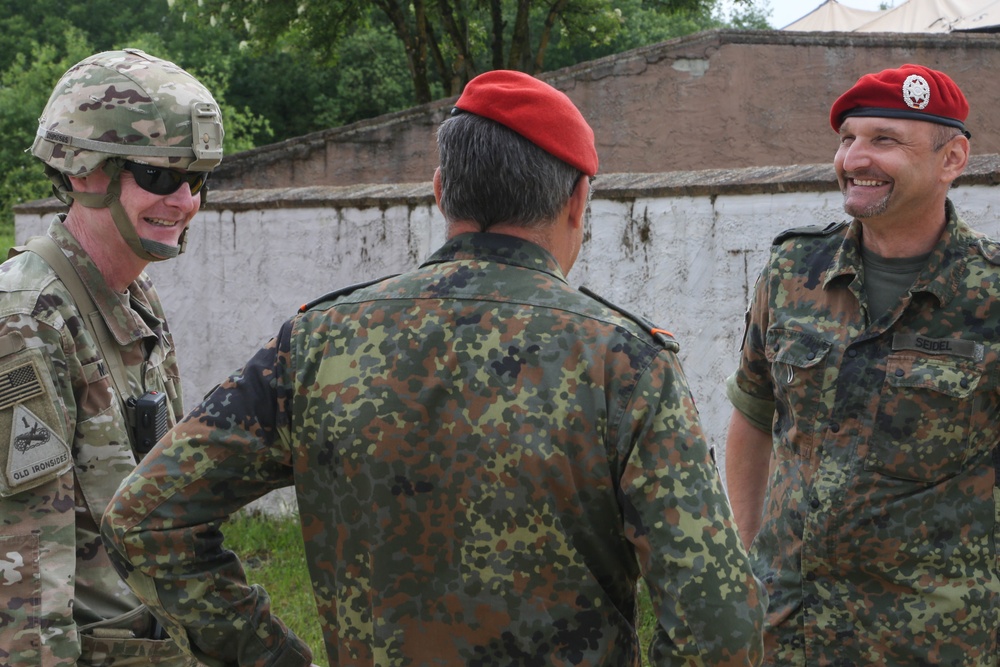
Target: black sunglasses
[(161, 181)]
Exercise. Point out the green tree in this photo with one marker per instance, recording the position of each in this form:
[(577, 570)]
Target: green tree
[(25, 86), (378, 71), (103, 23), (446, 42)]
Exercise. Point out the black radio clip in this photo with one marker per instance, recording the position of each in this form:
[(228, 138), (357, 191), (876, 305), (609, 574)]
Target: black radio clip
[(148, 418)]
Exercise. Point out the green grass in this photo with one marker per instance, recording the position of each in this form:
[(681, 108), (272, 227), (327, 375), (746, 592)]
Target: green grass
[(273, 556)]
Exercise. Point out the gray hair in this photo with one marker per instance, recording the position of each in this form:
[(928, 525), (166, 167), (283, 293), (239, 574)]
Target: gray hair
[(942, 135), (491, 175)]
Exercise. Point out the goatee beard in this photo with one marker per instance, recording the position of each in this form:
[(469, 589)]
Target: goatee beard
[(871, 210)]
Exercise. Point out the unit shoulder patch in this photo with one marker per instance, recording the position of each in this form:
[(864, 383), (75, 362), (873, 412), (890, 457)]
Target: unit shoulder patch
[(36, 450), (32, 447)]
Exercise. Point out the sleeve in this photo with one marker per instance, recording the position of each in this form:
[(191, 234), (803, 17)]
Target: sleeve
[(749, 388), (709, 606), (162, 526), (758, 411), (37, 510)]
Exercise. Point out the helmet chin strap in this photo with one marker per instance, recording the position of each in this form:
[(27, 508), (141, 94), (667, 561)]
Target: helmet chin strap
[(151, 251)]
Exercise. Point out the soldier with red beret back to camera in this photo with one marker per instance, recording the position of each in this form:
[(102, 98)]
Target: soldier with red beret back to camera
[(486, 460), (869, 387)]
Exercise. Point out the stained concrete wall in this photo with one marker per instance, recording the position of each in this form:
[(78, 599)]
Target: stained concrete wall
[(714, 100), (682, 249)]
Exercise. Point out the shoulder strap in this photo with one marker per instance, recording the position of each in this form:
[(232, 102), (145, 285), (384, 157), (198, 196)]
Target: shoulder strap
[(810, 230), (46, 248), (661, 336), (330, 296)]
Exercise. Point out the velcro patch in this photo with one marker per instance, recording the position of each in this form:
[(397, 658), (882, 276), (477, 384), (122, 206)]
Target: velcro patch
[(33, 447), (955, 347), (18, 385), (36, 450)]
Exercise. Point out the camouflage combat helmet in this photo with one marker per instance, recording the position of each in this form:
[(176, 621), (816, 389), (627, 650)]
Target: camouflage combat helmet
[(126, 105)]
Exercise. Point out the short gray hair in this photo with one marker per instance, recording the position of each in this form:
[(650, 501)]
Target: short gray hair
[(942, 135), (491, 175)]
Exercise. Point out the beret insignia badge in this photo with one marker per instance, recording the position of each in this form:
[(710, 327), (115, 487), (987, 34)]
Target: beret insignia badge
[(916, 92)]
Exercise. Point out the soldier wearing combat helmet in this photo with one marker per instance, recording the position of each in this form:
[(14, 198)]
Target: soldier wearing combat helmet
[(86, 356), (862, 455)]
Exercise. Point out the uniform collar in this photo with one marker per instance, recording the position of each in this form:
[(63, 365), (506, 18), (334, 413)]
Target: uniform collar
[(499, 248), (124, 323), (941, 274)]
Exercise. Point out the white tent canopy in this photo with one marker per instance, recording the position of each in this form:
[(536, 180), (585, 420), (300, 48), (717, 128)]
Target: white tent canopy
[(986, 18), (910, 16), (832, 16)]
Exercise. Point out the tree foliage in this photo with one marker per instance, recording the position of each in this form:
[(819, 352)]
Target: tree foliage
[(448, 42), (25, 85)]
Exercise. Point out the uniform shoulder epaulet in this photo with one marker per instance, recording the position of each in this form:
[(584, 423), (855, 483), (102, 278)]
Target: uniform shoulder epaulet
[(990, 250), (343, 291), (811, 230), (661, 336)]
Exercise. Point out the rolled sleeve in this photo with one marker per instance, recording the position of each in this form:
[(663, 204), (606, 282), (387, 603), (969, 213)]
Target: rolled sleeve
[(758, 411)]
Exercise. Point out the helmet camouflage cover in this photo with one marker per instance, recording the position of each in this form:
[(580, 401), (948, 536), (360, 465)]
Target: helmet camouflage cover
[(129, 104)]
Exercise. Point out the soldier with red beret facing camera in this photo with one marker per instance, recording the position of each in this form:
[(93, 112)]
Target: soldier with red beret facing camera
[(862, 454), (486, 460)]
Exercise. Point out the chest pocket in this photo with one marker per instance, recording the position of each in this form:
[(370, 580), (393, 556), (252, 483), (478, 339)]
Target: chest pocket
[(924, 418), (797, 361)]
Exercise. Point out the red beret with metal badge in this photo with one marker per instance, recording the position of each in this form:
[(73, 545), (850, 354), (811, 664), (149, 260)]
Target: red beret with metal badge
[(535, 110), (912, 91)]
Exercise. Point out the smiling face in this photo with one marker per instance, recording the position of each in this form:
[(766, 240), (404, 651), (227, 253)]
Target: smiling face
[(892, 171), (158, 218)]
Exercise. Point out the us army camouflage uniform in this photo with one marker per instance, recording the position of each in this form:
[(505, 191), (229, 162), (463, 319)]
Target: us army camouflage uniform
[(879, 537), (64, 449), (485, 460)]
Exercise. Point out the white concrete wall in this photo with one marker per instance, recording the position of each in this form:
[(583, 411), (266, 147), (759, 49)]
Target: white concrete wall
[(686, 263)]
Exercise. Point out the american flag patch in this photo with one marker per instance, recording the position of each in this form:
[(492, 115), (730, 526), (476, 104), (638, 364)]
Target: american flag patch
[(18, 385)]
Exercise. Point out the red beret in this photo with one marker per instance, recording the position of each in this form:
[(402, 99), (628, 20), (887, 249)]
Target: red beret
[(911, 91), (538, 112)]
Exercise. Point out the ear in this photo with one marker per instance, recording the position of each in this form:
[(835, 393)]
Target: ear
[(577, 204), (78, 184), (95, 181), (438, 189), (956, 156)]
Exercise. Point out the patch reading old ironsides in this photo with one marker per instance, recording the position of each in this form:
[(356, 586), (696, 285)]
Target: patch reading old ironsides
[(35, 450)]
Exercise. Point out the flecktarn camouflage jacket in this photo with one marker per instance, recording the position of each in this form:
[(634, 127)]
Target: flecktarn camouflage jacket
[(486, 461), (879, 539)]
